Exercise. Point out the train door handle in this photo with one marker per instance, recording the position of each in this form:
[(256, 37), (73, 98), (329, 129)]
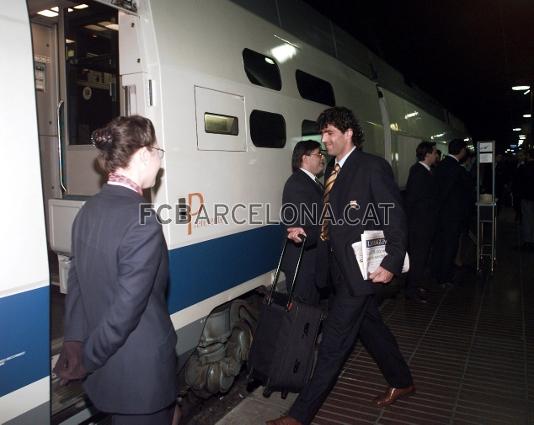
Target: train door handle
[(60, 146)]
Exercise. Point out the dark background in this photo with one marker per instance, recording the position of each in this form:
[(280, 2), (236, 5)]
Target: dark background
[(466, 54)]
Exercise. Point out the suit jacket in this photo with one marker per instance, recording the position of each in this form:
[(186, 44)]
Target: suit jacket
[(364, 182), (421, 198), (454, 190), (302, 192), (116, 305)]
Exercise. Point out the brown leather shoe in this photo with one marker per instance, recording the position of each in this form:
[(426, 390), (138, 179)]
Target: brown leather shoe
[(284, 420), (392, 394)]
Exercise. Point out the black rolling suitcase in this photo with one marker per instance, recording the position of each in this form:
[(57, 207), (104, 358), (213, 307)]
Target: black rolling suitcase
[(283, 349)]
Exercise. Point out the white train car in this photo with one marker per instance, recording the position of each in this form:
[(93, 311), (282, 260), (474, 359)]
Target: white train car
[(231, 86)]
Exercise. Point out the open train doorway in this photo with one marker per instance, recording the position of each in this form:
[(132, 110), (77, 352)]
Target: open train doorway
[(77, 83)]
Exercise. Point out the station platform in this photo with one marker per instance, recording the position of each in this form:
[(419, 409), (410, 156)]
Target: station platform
[(470, 348)]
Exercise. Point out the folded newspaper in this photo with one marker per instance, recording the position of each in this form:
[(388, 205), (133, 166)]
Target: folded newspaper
[(371, 250)]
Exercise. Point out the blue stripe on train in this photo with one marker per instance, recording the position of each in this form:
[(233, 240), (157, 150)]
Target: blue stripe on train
[(205, 269), (24, 328)]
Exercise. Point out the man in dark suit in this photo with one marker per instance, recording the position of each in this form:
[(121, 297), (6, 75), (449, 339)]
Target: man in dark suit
[(421, 204), (357, 186), (454, 190), (302, 206)]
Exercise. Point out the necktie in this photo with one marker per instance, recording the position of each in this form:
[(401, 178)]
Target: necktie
[(326, 198)]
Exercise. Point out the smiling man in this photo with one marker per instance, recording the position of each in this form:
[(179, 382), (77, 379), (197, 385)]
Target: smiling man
[(355, 183)]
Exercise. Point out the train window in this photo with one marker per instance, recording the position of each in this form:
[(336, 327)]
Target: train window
[(262, 70), (315, 88), (221, 124), (267, 130), (310, 128)]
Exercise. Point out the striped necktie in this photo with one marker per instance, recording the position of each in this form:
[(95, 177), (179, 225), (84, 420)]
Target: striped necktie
[(326, 198)]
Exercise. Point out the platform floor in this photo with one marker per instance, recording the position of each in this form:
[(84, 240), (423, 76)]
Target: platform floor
[(471, 351)]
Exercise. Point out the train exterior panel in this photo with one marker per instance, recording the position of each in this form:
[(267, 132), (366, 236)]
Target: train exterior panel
[(24, 301)]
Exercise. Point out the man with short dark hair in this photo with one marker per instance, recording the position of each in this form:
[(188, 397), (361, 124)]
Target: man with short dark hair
[(355, 183), (453, 191), (421, 204), (302, 201)]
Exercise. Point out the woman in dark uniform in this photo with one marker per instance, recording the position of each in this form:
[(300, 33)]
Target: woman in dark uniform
[(118, 334)]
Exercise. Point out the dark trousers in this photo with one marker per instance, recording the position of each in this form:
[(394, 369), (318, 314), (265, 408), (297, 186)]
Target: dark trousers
[(350, 318), (161, 417), (445, 249), (419, 244)]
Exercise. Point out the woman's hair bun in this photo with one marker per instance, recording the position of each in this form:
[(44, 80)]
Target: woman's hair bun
[(102, 138)]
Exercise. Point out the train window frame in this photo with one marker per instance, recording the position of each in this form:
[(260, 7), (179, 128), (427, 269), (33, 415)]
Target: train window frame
[(262, 123), (259, 65), (309, 124), (234, 131), (316, 89)]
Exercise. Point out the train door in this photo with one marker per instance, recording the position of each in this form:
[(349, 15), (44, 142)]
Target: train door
[(77, 84)]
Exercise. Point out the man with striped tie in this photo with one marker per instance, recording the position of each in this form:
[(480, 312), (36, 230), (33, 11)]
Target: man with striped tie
[(360, 194), (302, 204)]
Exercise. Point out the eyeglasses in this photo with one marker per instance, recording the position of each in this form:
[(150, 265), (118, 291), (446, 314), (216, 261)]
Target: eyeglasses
[(161, 152), (320, 155)]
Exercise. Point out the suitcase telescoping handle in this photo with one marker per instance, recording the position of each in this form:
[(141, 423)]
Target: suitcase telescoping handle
[(297, 268)]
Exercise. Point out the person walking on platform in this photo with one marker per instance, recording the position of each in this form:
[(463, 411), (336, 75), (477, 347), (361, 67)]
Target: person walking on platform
[(302, 205), (356, 182), (421, 204), (453, 190), (526, 189)]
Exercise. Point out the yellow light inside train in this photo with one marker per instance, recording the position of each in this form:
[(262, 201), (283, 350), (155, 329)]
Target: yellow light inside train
[(94, 27), (283, 52), (81, 6), (520, 88), (54, 9), (110, 25), (48, 13)]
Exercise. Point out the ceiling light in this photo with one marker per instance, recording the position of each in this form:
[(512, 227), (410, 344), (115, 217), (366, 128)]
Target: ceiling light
[(526, 115), (517, 129), (411, 115), (522, 136), (55, 9), (527, 92), (47, 13), (69, 41), (84, 6), (520, 88), (466, 139), (520, 142), (70, 9)]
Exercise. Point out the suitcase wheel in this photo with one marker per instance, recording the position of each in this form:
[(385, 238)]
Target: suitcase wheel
[(267, 392), (284, 395)]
